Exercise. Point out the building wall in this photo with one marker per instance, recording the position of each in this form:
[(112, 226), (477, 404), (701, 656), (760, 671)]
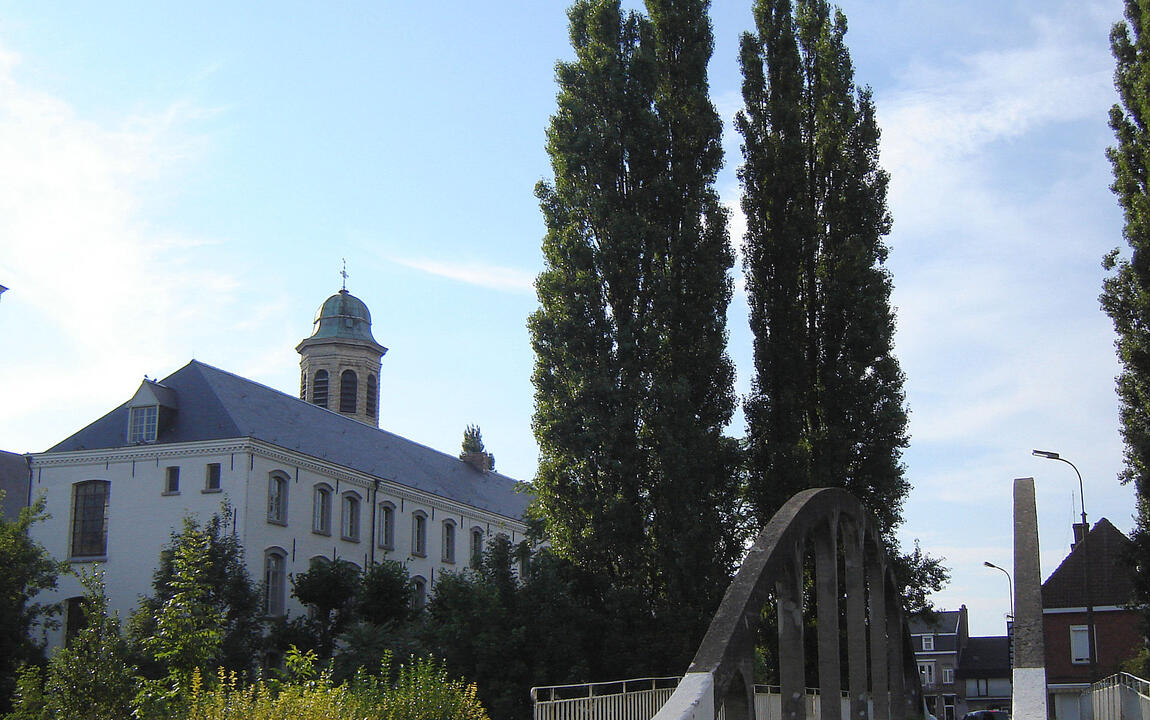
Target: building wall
[(1117, 632), (141, 515)]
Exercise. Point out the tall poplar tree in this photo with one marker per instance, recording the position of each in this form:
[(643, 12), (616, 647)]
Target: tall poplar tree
[(1126, 293), (633, 384), (827, 404)]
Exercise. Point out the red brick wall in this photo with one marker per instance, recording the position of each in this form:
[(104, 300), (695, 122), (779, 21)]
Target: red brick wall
[(1118, 633)]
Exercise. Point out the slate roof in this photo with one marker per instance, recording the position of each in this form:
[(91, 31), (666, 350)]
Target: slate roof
[(218, 405), (945, 622), (985, 657), (1110, 580)]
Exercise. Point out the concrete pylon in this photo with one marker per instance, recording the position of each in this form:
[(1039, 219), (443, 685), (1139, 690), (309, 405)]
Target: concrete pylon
[(1029, 699)]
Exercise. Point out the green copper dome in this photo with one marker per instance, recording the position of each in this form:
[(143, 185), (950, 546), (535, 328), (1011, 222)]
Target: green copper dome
[(343, 315)]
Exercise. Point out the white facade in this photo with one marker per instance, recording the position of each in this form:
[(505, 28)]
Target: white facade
[(142, 512)]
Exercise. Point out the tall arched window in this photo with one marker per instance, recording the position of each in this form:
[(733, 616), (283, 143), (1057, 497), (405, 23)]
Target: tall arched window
[(476, 547), (277, 498), (321, 510), (449, 541), (319, 388), (372, 389), (386, 533), (419, 533), (275, 562), (349, 517), (418, 593), (90, 518), (348, 387)]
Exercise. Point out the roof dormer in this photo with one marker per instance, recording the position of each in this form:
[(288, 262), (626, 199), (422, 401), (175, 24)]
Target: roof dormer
[(150, 411)]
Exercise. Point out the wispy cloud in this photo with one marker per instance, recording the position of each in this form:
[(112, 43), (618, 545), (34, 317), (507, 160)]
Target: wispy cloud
[(492, 277)]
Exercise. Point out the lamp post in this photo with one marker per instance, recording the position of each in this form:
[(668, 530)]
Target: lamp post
[(1049, 455), (1009, 585)]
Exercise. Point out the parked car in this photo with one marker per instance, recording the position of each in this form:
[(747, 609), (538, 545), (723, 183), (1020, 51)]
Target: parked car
[(987, 715)]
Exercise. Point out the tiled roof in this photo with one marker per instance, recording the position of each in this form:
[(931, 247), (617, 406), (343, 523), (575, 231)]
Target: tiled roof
[(217, 405), (985, 657), (944, 622), (1110, 580)]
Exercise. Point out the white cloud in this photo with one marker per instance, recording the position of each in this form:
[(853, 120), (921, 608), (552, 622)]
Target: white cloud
[(492, 277)]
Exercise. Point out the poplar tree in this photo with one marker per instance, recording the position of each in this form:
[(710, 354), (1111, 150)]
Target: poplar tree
[(827, 403), (1126, 292), (632, 382)]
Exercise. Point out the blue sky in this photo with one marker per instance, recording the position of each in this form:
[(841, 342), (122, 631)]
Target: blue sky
[(182, 180)]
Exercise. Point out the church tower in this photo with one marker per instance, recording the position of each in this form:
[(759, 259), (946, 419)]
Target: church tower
[(339, 363)]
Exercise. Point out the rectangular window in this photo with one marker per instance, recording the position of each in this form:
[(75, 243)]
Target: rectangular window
[(926, 670), (928, 642), (142, 424), (387, 526), (449, 542), (419, 534), (1079, 645), (274, 584), (212, 477), (90, 519), (948, 675), (321, 511), (349, 518), (172, 480), (277, 499)]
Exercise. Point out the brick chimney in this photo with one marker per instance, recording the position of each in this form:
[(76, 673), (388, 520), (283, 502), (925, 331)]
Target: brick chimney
[(481, 461)]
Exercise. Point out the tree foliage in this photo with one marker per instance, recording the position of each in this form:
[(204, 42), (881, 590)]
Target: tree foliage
[(329, 588), (1126, 292), (25, 570), (827, 404), (632, 382)]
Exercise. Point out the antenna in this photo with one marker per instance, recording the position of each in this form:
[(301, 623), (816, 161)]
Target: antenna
[(344, 273)]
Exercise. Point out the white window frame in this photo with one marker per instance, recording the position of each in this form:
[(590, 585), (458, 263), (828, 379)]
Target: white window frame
[(143, 424), (1080, 655), (926, 672), (928, 643), (948, 675), (386, 532)]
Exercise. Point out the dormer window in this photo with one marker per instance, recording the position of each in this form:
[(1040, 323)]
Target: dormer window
[(142, 422)]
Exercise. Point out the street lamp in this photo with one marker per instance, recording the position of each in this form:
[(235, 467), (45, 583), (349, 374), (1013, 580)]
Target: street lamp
[(1049, 455), (1009, 585)]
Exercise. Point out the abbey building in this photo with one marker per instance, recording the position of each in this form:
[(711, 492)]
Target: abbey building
[(307, 477)]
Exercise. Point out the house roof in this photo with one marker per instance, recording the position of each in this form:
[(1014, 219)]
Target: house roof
[(217, 405), (14, 482), (943, 622), (1110, 581), (985, 657)]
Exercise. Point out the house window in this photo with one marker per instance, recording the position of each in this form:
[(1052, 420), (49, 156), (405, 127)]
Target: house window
[(74, 620), (476, 547), (926, 671), (418, 593), (321, 510), (372, 385), (419, 534), (348, 386), (172, 480), (386, 532), (928, 642), (319, 388), (142, 424), (947, 675), (274, 576), (212, 477), (1079, 645), (90, 518), (349, 517), (449, 541), (948, 707), (277, 499)]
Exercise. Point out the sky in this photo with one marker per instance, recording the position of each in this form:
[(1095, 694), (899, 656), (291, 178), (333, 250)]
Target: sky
[(184, 180)]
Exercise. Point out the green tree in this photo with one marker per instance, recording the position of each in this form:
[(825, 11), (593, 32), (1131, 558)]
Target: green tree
[(92, 677), (827, 405), (632, 382), (329, 589), (1126, 292), (231, 592), (472, 440), (25, 570)]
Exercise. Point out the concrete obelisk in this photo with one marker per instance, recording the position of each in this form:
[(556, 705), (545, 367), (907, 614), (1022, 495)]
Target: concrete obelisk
[(1029, 699)]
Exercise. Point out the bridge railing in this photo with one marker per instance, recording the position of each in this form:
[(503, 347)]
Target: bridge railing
[(1121, 697)]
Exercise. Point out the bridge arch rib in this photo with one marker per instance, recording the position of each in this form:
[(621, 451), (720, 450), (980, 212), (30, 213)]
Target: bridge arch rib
[(862, 606)]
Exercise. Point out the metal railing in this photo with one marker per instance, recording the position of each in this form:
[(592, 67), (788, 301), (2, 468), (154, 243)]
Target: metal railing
[(641, 698), (1121, 697)]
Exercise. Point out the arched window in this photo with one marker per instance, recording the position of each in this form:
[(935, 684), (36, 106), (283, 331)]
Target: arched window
[(90, 518), (385, 535), (349, 517), (419, 533), (476, 547), (319, 388), (348, 386), (449, 541), (302, 384), (275, 562), (418, 593), (277, 498), (321, 510), (372, 389)]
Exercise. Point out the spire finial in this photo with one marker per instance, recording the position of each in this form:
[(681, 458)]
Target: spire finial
[(344, 273)]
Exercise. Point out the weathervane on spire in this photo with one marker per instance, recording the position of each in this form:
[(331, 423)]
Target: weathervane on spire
[(344, 273)]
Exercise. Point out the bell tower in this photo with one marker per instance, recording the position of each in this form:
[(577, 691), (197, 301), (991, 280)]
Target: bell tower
[(340, 361)]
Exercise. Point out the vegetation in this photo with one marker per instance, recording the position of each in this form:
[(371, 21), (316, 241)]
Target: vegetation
[(1126, 292)]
